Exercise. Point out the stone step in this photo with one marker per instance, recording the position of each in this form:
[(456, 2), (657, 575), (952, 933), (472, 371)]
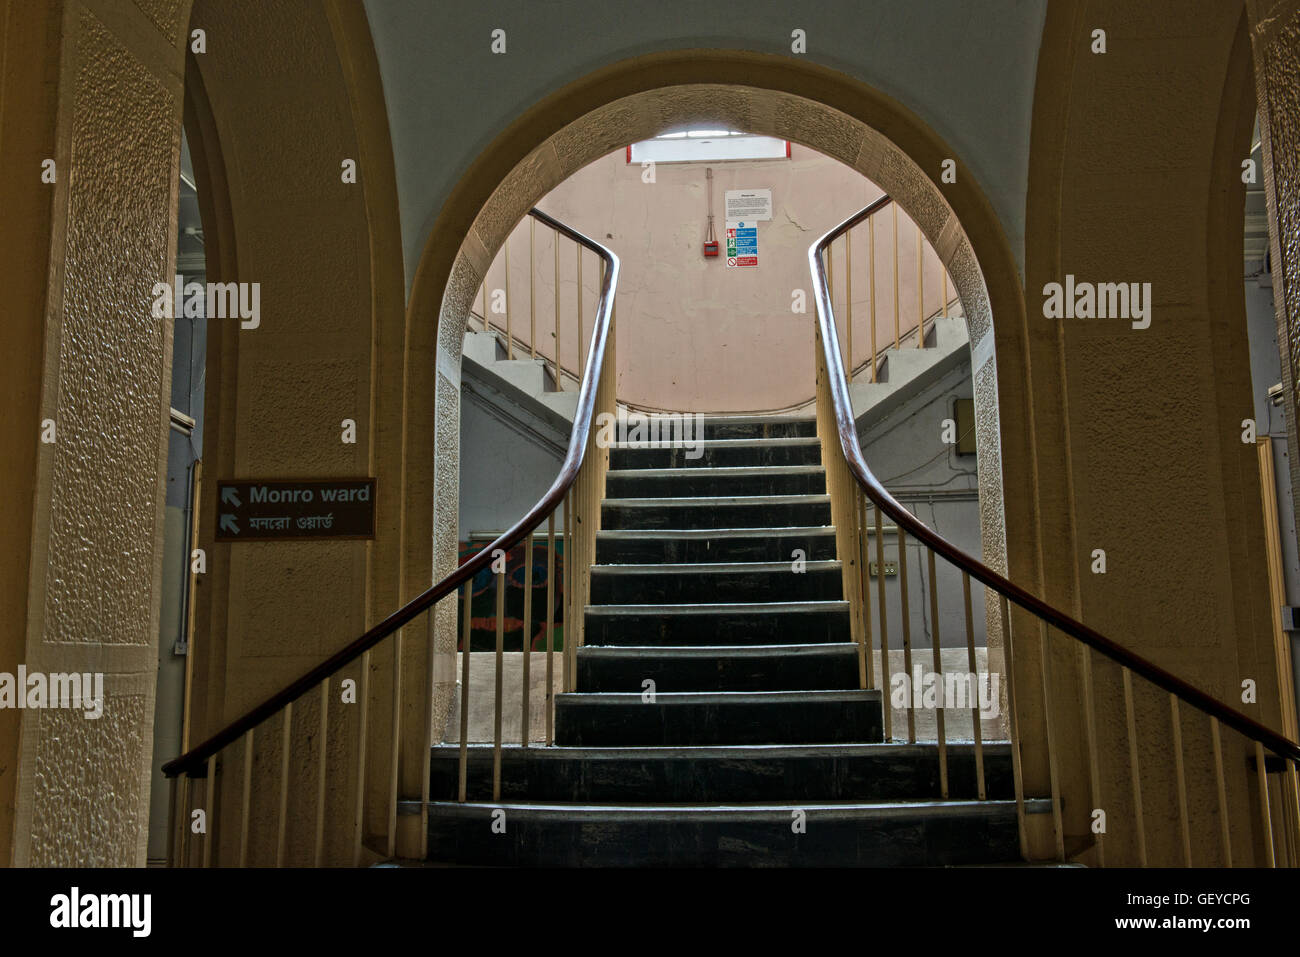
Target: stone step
[(716, 511), (760, 480), (622, 546), (611, 719), (654, 584), (739, 623), (759, 427), (828, 667), (717, 453), (709, 775), (897, 833)]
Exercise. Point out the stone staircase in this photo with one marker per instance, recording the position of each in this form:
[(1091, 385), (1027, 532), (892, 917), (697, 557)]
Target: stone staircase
[(718, 718)]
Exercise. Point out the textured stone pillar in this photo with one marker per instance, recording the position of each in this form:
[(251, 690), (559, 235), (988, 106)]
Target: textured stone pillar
[(1275, 42), (95, 87), (1135, 176)]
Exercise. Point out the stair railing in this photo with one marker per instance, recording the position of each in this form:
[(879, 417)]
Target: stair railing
[(1266, 761), (520, 342), (911, 330), (571, 511)]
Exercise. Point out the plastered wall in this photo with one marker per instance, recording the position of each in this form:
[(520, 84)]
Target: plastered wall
[(695, 335)]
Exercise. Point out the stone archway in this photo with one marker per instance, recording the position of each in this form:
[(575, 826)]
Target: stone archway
[(810, 105)]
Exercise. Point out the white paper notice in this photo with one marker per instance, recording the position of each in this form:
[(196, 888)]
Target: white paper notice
[(749, 204)]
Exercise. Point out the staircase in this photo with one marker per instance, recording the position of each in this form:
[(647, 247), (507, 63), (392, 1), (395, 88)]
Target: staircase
[(718, 718)]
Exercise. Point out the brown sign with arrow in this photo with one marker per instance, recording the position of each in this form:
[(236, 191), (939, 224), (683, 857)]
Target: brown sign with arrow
[(259, 510)]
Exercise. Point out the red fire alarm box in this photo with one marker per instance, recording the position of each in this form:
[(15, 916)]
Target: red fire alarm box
[(710, 238)]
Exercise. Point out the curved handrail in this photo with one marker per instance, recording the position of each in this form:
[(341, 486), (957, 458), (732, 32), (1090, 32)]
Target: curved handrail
[(191, 760), (848, 433)]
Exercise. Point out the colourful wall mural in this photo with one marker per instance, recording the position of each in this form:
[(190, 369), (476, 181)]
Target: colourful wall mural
[(483, 604)]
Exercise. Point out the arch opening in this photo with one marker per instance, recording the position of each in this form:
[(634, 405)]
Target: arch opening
[(810, 106)]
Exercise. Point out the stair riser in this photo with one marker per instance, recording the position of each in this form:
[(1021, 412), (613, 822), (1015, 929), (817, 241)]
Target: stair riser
[(672, 515), (719, 548), (638, 724), (808, 453), (776, 429), (769, 842), (790, 628), (623, 588), (685, 483), (689, 780), (720, 672)]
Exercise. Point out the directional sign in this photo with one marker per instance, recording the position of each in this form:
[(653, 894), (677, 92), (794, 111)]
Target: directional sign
[(250, 510)]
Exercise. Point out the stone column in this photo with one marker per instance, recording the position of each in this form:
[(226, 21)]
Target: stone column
[(95, 87)]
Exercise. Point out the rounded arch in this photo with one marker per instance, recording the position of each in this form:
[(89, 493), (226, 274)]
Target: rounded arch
[(780, 96)]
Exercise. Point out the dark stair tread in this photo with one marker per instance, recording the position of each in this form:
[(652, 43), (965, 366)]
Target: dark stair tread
[(830, 649), (796, 440), (714, 501), (716, 471), (722, 608), (779, 811), (715, 774), (707, 568), (916, 833), (593, 698), (782, 531), (740, 752)]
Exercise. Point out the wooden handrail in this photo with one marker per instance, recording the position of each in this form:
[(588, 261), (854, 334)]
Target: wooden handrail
[(848, 435), (193, 760)]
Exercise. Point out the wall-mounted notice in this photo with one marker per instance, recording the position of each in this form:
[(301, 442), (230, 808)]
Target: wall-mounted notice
[(742, 243), (253, 510), (749, 204)]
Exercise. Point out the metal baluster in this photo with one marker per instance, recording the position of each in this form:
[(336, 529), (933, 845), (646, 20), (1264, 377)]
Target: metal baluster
[(1134, 774), (282, 822), (463, 769), (500, 679), (871, 263), (550, 629), (884, 621), (527, 641), (1013, 725), (898, 336), (1045, 669), (358, 824), (1266, 817), (1181, 776), (940, 731), (920, 288), (1094, 764), (848, 302), (980, 788), (532, 289), (510, 339), (905, 607), (318, 846), (1216, 745), (246, 798)]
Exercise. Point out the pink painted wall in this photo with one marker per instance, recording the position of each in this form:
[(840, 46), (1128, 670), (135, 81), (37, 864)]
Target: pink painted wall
[(694, 335)]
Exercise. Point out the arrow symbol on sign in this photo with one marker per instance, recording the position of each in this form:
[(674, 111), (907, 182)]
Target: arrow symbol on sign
[(228, 524), (230, 497)]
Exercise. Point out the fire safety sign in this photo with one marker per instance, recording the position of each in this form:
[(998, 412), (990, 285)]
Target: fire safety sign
[(742, 243)]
